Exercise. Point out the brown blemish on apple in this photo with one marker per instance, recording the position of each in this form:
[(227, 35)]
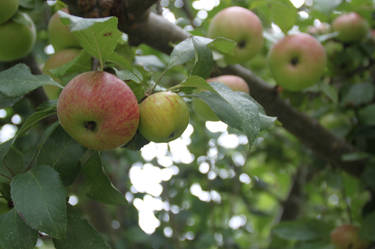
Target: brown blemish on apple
[(241, 44), (294, 61)]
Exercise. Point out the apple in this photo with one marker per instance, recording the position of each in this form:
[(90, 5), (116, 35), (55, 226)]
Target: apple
[(320, 29), (54, 61), (347, 237), (351, 27), (164, 116), (241, 25), (234, 82), (98, 110), (60, 35), (7, 9), (297, 61), (18, 37)]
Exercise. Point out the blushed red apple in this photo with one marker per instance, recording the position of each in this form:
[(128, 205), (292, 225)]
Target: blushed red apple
[(297, 61), (164, 116), (351, 27), (98, 110), (347, 237), (241, 25)]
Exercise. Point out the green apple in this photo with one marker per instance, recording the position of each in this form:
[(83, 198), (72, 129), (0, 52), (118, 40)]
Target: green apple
[(54, 61), (234, 82), (59, 34), (7, 9), (297, 61), (241, 25), (164, 116), (351, 27), (98, 110), (18, 37), (347, 237)]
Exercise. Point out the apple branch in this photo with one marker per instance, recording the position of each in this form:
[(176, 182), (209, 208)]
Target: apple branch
[(160, 34)]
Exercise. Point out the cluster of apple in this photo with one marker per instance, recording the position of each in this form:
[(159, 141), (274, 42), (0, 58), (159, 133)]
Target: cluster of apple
[(99, 110), (347, 237), (17, 31), (297, 61)]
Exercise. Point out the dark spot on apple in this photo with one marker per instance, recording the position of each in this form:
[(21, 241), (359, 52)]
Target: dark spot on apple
[(171, 135), (294, 61), (90, 125), (241, 44)]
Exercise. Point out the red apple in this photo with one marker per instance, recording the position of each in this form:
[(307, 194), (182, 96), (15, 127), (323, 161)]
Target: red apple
[(164, 116), (54, 61), (347, 237), (60, 35), (7, 9), (297, 61), (17, 37), (241, 25), (98, 110), (351, 27)]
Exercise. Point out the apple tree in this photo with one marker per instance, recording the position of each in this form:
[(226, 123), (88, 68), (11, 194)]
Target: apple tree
[(187, 124)]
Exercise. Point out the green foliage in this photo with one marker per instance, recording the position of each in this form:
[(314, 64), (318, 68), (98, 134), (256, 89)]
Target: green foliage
[(243, 183)]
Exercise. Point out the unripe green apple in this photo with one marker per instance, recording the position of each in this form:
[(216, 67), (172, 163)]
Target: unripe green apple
[(297, 61), (234, 82), (98, 110), (7, 9), (241, 25), (347, 237), (351, 27), (54, 61), (17, 37), (164, 116), (60, 35)]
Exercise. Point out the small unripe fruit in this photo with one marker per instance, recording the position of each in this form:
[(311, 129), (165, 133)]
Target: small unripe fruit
[(17, 37), (164, 116), (351, 27), (98, 110), (297, 61), (60, 35), (241, 25), (54, 61), (7, 9)]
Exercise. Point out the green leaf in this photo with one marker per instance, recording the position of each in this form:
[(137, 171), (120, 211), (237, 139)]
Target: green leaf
[(98, 36), (326, 6), (368, 227), (182, 53), (314, 245), (98, 185), (195, 82), (203, 57), (34, 119), (66, 72), (368, 176), (150, 62), (129, 75), (62, 153), (15, 87), (359, 94), (302, 230), (120, 61), (80, 234), (367, 115), (223, 45), (15, 234), (330, 92), (237, 109), (6, 101), (39, 196)]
